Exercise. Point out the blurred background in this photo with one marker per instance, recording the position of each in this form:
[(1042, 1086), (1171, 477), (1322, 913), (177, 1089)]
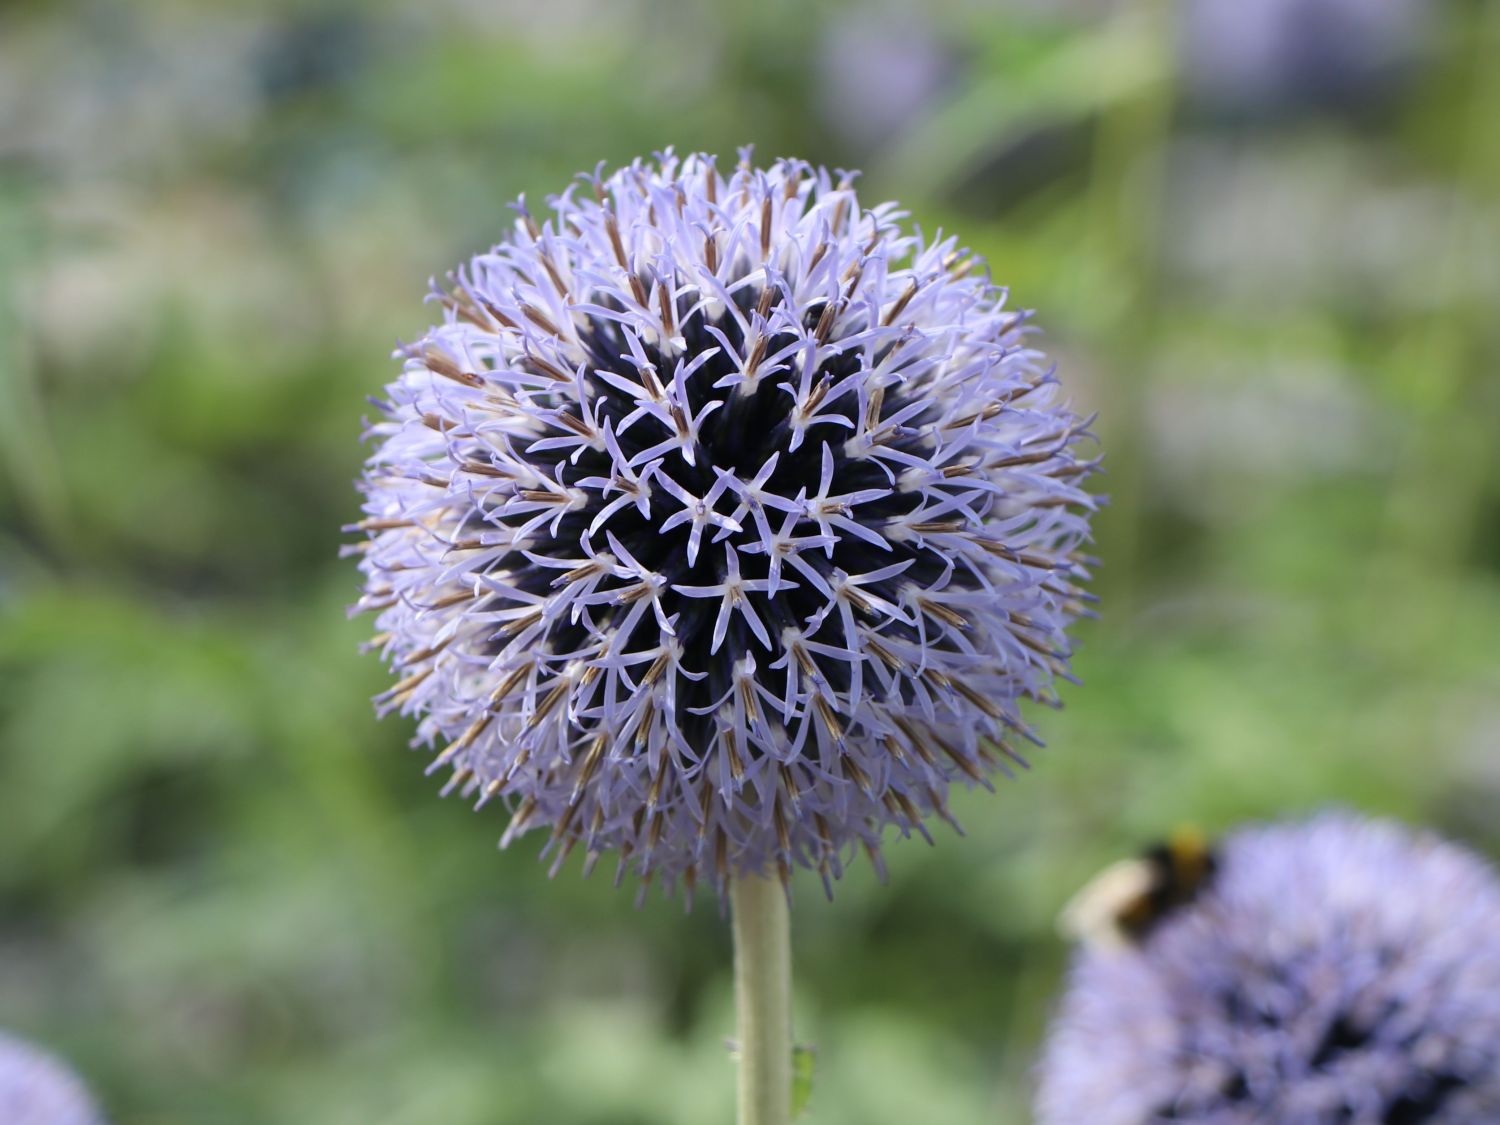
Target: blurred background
[(1264, 240)]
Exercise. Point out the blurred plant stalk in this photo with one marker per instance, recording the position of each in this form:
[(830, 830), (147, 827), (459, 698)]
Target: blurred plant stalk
[(762, 999)]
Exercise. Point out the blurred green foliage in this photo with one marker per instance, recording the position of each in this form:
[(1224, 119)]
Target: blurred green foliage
[(230, 896)]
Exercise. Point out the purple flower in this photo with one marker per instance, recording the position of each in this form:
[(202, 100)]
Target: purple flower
[(37, 1089), (722, 522), (1341, 970)]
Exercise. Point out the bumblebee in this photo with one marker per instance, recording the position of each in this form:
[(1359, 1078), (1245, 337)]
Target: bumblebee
[(1123, 903)]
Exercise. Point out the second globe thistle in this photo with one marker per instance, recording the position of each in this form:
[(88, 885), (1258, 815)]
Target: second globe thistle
[(1339, 970), (37, 1088), (722, 523)]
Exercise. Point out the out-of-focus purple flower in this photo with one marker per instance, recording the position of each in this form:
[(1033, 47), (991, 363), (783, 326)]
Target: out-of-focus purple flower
[(880, 72), (723, 522), (1261, 56), (1341, 970), (37, 1089)]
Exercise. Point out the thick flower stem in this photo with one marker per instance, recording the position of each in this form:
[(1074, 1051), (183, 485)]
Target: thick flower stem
[(763, 998)]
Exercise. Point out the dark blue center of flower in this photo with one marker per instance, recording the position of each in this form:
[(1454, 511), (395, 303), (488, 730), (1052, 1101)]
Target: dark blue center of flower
[(740, 436)]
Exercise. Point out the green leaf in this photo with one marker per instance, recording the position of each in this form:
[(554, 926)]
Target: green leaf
[(803, 1061)]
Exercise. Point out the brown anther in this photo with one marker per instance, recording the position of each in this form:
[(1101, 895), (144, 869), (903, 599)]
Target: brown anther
[(383, 523), (804, 659), (757, 354), (990, 411), (829, 719), (873, 407), (825, 321), (978, 699), (664, 303), (840, 209), (520, 624), (523, 810), (500, 317), (936, 527), (819, 253), (449, 600), (543, 496), (915, 739), (652, 383), (1020, 459), (736, 767), (551, 700), (638, 289), (429, 652), (942, 613), (634, 593), (789, 783), (509, 684), (576, 424), (815, 396), (969, 768), (540, 365), (853, 772), (852, 595), (612, 228), (820, 822), (561, 828), (439, 364), (658, 666), (539, 318), (643, 726), (588, 766), (892, 661), (783, 833), (404, 686), (587, 570), (553, 275), (480, 469), (471, 732), (901, 302)]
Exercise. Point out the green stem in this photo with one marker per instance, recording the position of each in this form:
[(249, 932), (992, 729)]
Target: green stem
[(763, 998)]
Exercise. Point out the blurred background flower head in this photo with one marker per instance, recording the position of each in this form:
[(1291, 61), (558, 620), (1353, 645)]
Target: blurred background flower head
[(221, 884), (36, 1088), (1339, 969)]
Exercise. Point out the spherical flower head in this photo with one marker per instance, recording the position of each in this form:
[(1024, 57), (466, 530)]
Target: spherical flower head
[(722, 522), (37, 1089), (1340, 970)]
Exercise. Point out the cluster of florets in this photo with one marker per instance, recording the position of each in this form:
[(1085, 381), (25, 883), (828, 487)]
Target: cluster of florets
[(1341, 970), (722, 523)]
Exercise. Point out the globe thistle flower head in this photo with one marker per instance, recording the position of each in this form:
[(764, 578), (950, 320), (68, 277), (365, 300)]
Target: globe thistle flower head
[(1340, 970), (722, 522), (37, 1089)]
